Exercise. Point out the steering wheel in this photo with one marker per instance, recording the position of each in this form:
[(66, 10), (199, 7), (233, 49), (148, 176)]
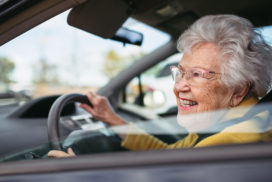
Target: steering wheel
[(54, 117)]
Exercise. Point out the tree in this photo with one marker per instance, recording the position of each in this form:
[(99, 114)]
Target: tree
[(113, 63), (45, 73), (6, 68)]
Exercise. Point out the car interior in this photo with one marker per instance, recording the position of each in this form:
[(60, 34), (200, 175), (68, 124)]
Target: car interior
[(31, 129)]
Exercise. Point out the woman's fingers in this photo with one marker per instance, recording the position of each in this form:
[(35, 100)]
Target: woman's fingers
[(87, 108), (102, 109), (92, 97), (71, 152), (59, 154)]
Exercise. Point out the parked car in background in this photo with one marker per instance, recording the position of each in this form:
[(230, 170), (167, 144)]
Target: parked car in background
[(13, 94), (157, 88)]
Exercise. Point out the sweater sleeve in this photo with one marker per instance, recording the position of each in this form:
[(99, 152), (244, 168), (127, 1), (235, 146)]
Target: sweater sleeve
[(138, 139)]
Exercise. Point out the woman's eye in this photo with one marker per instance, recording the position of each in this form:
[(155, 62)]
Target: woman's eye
[(196, 74)]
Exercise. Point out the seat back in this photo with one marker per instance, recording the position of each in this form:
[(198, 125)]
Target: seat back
[(267, 98)]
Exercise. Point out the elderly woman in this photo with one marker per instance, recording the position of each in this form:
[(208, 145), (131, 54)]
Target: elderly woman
[(225, 65)]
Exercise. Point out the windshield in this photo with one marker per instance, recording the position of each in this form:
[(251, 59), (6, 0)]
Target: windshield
[(54, 58)]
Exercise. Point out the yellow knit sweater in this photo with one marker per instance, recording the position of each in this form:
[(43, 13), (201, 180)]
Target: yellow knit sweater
[(243, 132)]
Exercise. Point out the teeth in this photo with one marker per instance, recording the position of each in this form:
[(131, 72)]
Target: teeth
[(187, 103)]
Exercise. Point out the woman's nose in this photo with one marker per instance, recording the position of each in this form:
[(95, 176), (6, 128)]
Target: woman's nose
[(182, 84)]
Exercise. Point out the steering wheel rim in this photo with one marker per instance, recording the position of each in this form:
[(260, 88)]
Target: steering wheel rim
[(54, 117)]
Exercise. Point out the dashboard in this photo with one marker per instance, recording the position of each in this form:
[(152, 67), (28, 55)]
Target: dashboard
[(25, 126)]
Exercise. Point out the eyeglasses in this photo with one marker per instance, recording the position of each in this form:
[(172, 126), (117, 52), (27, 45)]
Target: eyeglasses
[(194, 75)]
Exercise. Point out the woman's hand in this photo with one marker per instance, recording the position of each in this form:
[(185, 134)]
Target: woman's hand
[(102, 110), (59, 154)]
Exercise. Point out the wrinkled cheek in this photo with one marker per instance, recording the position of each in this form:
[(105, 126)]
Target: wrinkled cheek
[(207, 100)]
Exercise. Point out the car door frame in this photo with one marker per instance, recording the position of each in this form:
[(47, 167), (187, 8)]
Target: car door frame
[(243, 162)]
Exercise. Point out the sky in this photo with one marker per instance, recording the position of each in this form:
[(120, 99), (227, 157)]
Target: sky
[(77, 54)]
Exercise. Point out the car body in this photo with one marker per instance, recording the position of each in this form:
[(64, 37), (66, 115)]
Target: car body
[(165, 88), (158, 97), (24, 127)]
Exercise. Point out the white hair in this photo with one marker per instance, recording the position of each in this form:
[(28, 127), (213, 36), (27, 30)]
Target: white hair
[(248, 57)]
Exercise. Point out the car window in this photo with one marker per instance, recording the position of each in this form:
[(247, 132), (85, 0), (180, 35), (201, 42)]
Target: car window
[(55, 58)]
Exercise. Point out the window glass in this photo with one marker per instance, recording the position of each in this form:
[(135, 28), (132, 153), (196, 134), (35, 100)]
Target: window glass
[(54, 59)]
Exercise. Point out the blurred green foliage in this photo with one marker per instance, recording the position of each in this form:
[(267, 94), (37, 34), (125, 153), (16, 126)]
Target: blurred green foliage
[(114, 63), (6, 68), (45, 73)]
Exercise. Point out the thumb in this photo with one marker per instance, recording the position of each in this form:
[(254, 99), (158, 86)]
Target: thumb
[(71, 152)]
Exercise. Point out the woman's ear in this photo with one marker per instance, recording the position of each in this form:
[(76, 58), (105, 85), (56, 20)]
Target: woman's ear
[(239, 95)]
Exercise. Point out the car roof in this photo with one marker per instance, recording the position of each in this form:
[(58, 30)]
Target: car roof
[(172, 16), (175, 16)]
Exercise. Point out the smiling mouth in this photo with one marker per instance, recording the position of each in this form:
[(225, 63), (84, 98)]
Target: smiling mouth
[(186, 104)]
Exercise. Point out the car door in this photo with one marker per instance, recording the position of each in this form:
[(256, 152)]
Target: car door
[(244, 163)]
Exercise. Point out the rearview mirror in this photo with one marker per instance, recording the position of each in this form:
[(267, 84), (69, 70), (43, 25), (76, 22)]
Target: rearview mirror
[(127, 36)]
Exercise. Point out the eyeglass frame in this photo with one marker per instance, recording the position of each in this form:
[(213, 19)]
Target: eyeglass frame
[(190, 76)]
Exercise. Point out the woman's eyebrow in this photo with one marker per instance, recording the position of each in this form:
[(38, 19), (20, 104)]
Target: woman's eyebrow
[(180, 67), (198, 67)]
